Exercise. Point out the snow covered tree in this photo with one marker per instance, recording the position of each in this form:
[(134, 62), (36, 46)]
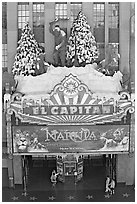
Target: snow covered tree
[(27, 54), (81, 47)]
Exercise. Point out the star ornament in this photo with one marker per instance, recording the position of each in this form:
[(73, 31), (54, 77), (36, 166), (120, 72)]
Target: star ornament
[(25, 194), (71, 197), (52, 198), (107, 196), (126, 195), (15, 198), (33, 198), (71, 87), (89, 197)]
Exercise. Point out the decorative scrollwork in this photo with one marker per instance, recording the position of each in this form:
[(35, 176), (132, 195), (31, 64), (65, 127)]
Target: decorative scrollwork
[(70, 87), (16, 97), (10, 111), (131, 154), (58, 87), (61, 88), (131, 110), (124, 96), (81, 87)]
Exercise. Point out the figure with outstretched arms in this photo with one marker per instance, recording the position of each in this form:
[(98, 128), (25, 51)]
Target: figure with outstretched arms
[(59, 54)]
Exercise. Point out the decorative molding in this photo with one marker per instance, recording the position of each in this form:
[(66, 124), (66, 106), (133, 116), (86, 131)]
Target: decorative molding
[(70, 92), (16, 97), (125, 96), (9, 135)]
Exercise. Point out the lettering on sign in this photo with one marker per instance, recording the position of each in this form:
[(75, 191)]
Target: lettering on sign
[(78, 136), (68, 138), (69, 110)]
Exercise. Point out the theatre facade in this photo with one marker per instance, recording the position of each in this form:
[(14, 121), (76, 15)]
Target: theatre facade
[(72, 119), (69, 124)]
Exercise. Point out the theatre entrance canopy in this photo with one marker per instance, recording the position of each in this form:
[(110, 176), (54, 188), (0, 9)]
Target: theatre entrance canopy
[(75, 110)]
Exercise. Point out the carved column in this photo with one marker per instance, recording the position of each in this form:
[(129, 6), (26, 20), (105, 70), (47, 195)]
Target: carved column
[(9, 150), (17, 169), (7, 98), (130, 180), (132, 134)]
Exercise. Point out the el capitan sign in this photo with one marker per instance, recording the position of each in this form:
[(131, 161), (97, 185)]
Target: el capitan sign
[(69, 110), (72, 103)]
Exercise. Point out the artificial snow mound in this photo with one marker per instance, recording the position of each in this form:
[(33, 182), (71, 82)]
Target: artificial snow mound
[(96, 82)]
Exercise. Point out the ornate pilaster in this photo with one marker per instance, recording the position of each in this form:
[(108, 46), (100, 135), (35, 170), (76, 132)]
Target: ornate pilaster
[(132, 129), (7, 98)]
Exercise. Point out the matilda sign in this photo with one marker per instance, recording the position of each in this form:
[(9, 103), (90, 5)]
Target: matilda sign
[(55, 139)]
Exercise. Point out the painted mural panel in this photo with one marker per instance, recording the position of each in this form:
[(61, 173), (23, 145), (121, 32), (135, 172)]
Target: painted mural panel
[(60, 139)]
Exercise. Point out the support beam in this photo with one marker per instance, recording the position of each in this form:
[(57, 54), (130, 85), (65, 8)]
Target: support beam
[(10, 172), (124, 36), (11, 33), (87, 8), (17, 166), (121, 170), (106, 29), (126, 169), (49, 38), (31, 15), (130, 177)]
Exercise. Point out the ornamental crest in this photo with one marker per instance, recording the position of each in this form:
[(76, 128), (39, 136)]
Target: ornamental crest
[(70, 91), (70, 102)]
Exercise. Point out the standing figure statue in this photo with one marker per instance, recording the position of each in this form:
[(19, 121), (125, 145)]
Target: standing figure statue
[(59, 54), (42, 65), (53, 177), (107, 187), (112, 186)]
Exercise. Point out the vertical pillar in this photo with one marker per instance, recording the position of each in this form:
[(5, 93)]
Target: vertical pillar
[(106, 28), (49, 38), (132, 133), (132, 47), (69, 21), (10, 171), (17, 168), (124, 36), (126, 169), (31, 15), (130, 166), (121, 168), (9, 151), (130, 180), (11, 33), (87, 8)]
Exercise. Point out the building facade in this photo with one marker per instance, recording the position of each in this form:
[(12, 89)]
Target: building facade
[(112, 24)]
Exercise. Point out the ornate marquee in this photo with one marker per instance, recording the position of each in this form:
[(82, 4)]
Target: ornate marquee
[(70, 102)]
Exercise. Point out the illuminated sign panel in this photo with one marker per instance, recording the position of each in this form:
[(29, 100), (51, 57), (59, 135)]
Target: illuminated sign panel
[(82, 139), (71, 103), (69, 110)]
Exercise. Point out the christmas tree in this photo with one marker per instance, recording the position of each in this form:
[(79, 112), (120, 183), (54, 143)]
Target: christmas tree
[(27, 54), (81, 47)]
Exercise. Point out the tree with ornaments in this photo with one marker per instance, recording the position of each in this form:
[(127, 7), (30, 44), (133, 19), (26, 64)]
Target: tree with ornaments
[(81, 47), (26, 59)]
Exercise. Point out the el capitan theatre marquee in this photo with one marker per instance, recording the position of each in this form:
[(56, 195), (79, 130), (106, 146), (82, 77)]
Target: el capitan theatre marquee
[(69, 110), (69, 119)]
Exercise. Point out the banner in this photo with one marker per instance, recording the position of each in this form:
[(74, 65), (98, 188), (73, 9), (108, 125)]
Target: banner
[(63, 139)]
